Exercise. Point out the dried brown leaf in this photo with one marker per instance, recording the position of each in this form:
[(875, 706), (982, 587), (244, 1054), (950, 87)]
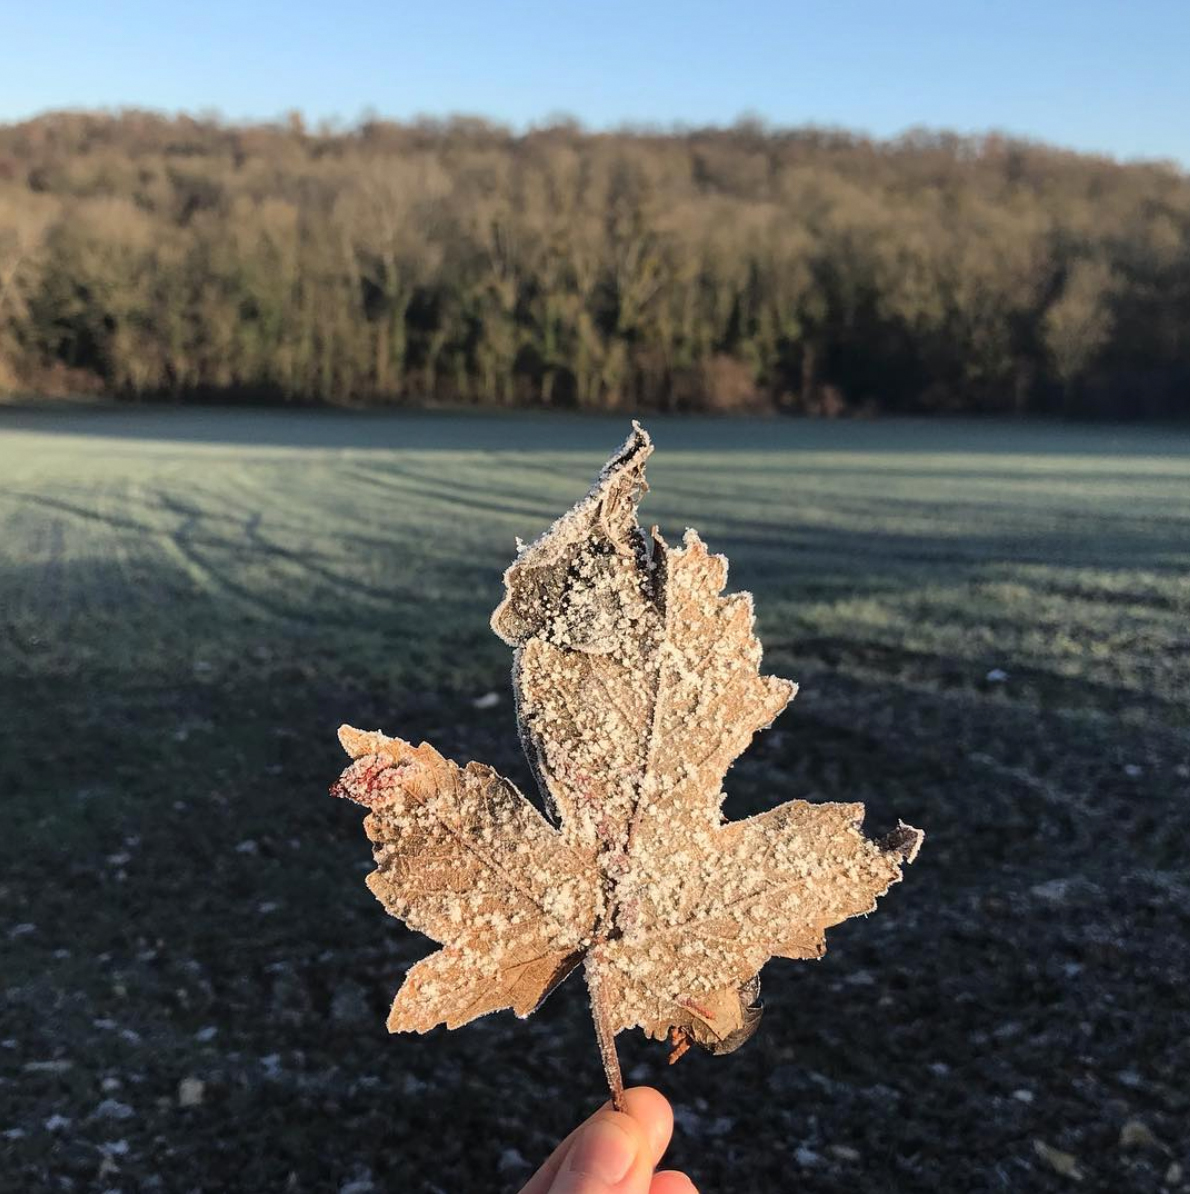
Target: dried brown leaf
[(637, 685)]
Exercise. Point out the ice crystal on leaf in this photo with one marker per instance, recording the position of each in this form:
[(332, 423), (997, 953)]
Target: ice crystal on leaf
[(637, 684)]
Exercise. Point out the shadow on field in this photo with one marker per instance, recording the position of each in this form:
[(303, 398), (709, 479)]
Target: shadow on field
[(198, 911)]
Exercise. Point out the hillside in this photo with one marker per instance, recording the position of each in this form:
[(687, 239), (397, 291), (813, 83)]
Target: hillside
[(726, 269)]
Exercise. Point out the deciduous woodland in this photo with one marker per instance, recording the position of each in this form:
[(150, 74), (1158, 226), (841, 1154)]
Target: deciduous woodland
[(716, 269)]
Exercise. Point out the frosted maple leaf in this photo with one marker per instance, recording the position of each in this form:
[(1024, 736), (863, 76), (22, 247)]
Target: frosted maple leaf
[(637, 684)]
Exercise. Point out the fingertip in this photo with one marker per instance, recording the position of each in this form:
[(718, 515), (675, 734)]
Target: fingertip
[(628, 1143), (605, 1150), (651, 1110), (670, 1181)]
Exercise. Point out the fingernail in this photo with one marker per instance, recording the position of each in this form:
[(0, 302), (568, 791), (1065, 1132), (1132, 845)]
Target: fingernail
[(604, 1151)]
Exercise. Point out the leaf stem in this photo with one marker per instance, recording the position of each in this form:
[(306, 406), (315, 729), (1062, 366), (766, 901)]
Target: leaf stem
[(603, 1030)]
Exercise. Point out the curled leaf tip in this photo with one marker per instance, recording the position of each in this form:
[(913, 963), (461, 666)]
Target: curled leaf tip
[(905, 840)]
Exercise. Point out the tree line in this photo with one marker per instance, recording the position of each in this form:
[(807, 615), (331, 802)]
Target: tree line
[(718, 269)]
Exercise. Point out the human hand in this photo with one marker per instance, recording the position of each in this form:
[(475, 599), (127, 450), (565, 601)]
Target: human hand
[(615, 1152)]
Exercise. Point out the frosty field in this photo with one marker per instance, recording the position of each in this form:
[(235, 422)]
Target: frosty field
[(990, 624)]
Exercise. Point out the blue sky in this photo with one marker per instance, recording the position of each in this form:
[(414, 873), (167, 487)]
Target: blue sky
[(1109, 77)]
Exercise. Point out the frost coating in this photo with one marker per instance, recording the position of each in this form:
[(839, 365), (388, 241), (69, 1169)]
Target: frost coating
[(637, 685)]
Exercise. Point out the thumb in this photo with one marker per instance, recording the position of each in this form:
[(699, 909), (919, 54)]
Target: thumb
[(608, 1153)]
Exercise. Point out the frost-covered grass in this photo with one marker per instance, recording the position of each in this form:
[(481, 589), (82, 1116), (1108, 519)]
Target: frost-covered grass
[(192, 601)]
